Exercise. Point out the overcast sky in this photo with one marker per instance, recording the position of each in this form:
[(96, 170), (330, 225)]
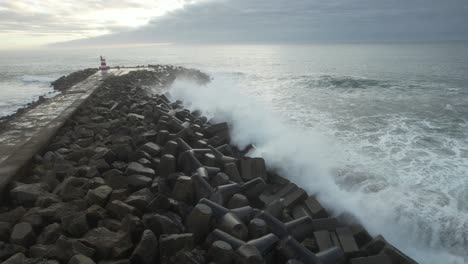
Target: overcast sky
[(36, 22)]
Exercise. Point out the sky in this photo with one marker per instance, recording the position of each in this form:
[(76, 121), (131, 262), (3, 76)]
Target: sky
[(32, 23)]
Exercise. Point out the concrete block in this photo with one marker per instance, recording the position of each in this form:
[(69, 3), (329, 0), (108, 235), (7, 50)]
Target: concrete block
[(231, 170), (323, 240), (183, 190), (257, 228), (346, 238), (315, 208), (221, 252), (199, 221)]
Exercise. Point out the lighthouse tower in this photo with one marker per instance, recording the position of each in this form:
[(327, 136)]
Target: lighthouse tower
[(103, 67)]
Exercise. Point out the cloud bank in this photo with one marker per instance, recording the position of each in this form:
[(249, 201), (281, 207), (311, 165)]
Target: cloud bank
[(26, 21), (301, 21)]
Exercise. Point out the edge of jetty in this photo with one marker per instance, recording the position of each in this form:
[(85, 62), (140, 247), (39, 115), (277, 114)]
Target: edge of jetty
[(119, 175)]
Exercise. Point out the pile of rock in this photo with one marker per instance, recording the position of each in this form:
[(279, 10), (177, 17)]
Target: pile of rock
[(68, 81), (138, 179)]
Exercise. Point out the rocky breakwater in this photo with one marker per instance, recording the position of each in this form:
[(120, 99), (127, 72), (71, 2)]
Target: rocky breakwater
[(134, 178), (68, 81)]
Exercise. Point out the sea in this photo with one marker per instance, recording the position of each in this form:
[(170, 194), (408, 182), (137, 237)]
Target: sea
[(377, 131)]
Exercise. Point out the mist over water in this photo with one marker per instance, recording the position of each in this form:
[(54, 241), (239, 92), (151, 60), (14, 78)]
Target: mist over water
[(377, 130)]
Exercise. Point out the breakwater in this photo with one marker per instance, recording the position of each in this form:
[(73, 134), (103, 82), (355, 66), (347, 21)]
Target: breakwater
[(135, 178)]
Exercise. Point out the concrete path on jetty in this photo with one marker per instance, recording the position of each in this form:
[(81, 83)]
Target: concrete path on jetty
[(29, 132)]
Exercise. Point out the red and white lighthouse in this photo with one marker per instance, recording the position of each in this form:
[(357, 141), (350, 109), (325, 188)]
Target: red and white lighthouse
[(103, 67)]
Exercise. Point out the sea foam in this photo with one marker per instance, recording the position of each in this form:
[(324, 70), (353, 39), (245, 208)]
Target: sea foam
[(312, 160)]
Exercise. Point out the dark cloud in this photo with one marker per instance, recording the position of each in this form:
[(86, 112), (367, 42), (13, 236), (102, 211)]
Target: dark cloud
[(227, 21)]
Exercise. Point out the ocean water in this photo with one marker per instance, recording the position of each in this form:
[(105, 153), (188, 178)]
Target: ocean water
[(377, 130)]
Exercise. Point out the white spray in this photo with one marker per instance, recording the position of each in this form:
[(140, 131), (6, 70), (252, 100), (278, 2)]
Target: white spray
[(307, 158)]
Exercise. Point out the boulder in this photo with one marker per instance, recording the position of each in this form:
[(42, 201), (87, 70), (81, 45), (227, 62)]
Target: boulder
[(99, 196), (115, 179), (151, 148), (5, 230), (103, 240), (23, 235), (50, 234), (170, 244), (18, 258), (81, 259), (137, 182), (137, 168), (13, 216), (147, 249), (120, 209), (75, 224), (161, 224), (26, 194), (56, 211), (65, 248), (72, 189), (95, 213), (140, 199)]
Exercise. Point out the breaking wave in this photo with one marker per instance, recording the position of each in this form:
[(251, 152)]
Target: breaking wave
[(423, 222), (342, 82), (36, 79)]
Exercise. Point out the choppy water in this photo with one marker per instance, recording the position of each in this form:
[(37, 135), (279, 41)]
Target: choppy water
[(379, 130)]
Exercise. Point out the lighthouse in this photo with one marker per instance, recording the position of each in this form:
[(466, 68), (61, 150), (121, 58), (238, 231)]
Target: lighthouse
[(103, 67)]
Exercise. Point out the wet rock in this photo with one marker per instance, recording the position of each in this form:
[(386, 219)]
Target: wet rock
[(140, 199), (18, 258), (5, 230), (133, 226), (50, 234), (119, 194), (103, 240), (13, 216), (147, 249), (137, 168), (99, 196), (23, 235), (111, 224), (75, 224), (137, 182), (26, 194), (123, 248), (120, 209), (47, 200), (104, 153), (161, 224), (170, 244), (8, 250), (151, 148), (84, 142), (41, 251), (115, 179), (160, 202), (72, 189), (94, 214), (101, 165), (56, 211), (81, 259), (65, 248)]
